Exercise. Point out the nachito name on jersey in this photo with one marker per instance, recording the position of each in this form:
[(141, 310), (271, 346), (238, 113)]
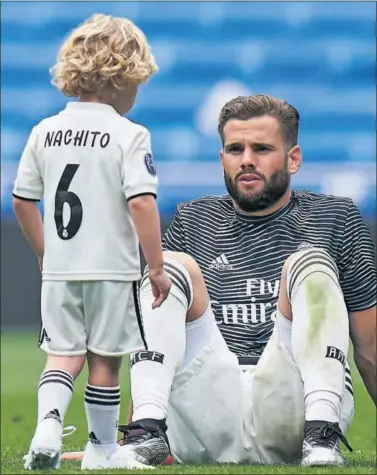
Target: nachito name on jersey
[(77, 138)]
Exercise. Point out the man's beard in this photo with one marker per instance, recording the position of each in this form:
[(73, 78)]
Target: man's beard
[(252, 201)]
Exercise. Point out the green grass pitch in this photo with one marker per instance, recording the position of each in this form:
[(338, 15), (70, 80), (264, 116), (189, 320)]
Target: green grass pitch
[(22, 362)]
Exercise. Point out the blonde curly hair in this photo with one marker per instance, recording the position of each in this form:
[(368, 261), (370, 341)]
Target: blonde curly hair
[(103, 52)]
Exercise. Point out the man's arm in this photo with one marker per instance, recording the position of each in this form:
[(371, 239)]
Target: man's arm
[(363, 335), (358, 280)]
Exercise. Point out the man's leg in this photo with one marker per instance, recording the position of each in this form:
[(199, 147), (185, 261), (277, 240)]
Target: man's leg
[(176, 333), (311, 298), (152, 371), (299, 383)]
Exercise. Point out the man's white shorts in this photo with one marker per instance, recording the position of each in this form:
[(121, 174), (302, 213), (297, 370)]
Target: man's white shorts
[(222, 411), (100, 316)]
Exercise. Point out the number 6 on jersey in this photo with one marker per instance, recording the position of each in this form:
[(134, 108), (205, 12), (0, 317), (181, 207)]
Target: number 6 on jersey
[(64, 196)]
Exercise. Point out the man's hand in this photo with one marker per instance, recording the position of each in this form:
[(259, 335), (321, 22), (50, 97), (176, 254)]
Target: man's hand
[(161, 285)]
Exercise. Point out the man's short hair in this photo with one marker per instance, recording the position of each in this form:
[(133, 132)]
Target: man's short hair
[(249, 107), (103, 52)]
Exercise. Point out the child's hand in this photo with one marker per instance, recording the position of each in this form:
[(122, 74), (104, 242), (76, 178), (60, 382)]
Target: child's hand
[(161, 284)]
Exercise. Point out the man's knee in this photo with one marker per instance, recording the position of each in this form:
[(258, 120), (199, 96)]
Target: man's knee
[(200, 296), (314, 263), (186, 260)]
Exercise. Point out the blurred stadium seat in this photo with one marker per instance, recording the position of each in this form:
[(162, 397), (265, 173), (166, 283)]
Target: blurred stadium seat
[(318, 56)]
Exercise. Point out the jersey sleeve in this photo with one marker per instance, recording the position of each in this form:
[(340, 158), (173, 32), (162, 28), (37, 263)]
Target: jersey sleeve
[(139, 174), (29, 182), (174, 238), (357, 267)]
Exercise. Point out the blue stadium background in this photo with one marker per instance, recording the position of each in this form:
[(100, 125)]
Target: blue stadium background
[(319, 56)]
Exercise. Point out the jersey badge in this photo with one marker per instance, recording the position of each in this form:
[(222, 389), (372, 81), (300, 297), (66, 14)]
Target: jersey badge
[(148, 160)]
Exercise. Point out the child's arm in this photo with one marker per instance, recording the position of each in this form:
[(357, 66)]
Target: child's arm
[(30, 220), (140, 188), (28, 190), (146, 220)]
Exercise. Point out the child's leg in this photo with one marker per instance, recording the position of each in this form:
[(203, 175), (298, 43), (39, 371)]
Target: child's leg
[(56, 386), (102, 402), (54, 395), (63, 339)]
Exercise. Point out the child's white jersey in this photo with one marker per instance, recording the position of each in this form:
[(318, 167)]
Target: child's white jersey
[(86, 163)]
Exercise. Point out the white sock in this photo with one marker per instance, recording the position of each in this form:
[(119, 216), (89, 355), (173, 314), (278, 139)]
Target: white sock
[(198, 335), (152, 371), (54, 395), (320, 333), (322, 406), (102, 406)]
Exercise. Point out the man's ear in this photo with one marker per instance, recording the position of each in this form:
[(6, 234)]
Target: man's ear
[(294, 160), (221, 155)]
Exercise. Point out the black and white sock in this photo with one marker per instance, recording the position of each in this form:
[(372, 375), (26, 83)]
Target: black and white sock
[(152, 371), (102, 406), (320, 333), (54, 394)]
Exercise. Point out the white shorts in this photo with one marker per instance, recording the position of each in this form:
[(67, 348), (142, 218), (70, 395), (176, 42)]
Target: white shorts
[(100, 316), (221, 411)]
